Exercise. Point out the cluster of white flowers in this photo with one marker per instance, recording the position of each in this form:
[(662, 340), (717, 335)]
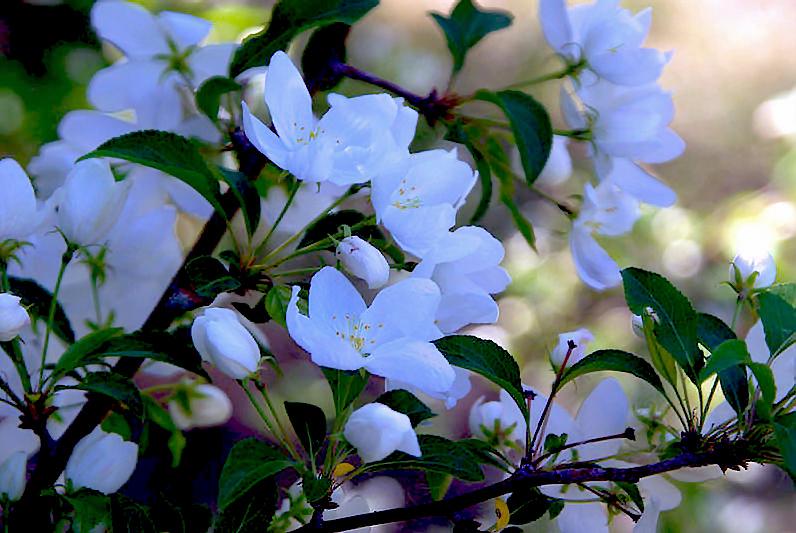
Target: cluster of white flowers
[(613, 95)]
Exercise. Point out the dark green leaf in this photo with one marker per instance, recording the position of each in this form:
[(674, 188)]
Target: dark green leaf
[(616, 361), (250, 463), (676, 320), (727, 354), (438, 484), (662, 360), (712, 331), (251, 511), (631, 489), (114, 386), (209, 277), (37, 299), (116, 423), (309, 423), (91, 509), (438, 455), (315, 488), (208, 95), (527, 506), (531, 126), (173, 347), (169, 153), (247, 195), (466, 26), (276, 302), (288, 19), (765, 380), (553, 443), (785, 437), (777, 309), (325, 49), (407, 403), (128, 516), (85, 351), (486, 358), (346, 386)]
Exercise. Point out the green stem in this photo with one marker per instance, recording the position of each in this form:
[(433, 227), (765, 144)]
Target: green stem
[(557, 75), (284, 434), (65, 259), (274, 253), (291, 195), (266, 420), (296, 272)]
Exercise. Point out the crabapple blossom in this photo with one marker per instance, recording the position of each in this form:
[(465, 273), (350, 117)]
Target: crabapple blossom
[(364, 261), (102, 461), (376, 431), (13, 316), (12, 476), (498, 419), (605, 37), (18, 209), (747, 263), (461, 387), (390, 338), (581, 337), (352, 142), (205, 405), (558, 167), (224, 342)]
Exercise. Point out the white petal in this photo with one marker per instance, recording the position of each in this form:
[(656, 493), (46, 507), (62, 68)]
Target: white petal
[(263, 138), (18, 209), (332, 295), (630, 67), (117, 87), (406, 309), (288, 101), (184, 30), (130, 27), (210, 60), (595, 267), (555, 24), (582, 517), (416, 363), (604, 412), (639, 183), (88, 129)]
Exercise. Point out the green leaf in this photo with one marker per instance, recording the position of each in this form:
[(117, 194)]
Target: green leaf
[(527, 506), (332, 224), (37, 299), (116, 423), (466, 26), (288, 19), (173, 347), (208, 95), (530, 123), (407, 403), (156, 414), (676, 321), (438, 455), (346, 386), (438, 484), (276, 302), (661, 359), (84, 351), (765, 380), (247, 196), (91, 509), (615, 361), (315, 488), (209, 277), (113, 386), (486, 358), (309, 423), (777, 309), (711, 332), (130, 516), (325, 49), (251, 511), (169, 153), (249, 463), (785, 438), (631, 489), (727, 354)]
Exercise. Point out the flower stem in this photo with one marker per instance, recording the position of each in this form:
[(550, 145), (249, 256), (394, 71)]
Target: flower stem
[(264, 417), (65, 259), (291, 195)]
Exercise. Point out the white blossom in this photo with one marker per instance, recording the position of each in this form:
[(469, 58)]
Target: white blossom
[(417, 199), (390, 338), (207, 405), (558, 167), (364, 261), (581, 337), (465, 264), (747, 263), (13, 316), (89, 203), (13, 476), (606, 37), (18, 210), (352, 142), (102, 461), (223, 341), (376, 431)]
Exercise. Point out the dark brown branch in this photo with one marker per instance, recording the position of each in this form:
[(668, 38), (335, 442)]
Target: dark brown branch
[(522, 479)]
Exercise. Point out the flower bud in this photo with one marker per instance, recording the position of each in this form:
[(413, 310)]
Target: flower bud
[(18, 211), (90, 201), (581, 337), (637, 323), (224, 342), (102, 461), (13, 317), (747, 263), (376, 431), (12, 476), (364, 261), (207, 406)]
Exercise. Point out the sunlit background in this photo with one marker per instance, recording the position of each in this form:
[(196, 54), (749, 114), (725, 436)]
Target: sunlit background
[(732, 76)]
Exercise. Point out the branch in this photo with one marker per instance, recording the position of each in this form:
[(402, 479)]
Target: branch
[(175, 301), (522, 479), (433, 106)]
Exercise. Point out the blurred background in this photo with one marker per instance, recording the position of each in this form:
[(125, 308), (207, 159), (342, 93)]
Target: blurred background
[(733, 77)]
